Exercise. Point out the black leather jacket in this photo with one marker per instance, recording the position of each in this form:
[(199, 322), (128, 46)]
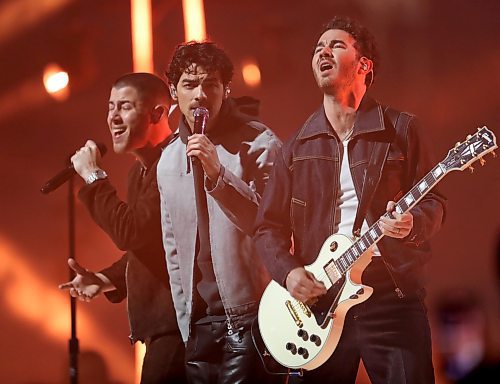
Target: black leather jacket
[(301, 195)]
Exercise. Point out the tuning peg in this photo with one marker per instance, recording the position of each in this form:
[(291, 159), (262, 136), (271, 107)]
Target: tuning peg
[(493, 153), (468, 137), (482, 161), (471, 169), (457, 144)]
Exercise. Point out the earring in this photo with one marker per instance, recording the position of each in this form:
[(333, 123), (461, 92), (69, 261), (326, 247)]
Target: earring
[(173, 92)]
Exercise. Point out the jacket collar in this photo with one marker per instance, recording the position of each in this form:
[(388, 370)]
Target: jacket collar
[(369, 118)]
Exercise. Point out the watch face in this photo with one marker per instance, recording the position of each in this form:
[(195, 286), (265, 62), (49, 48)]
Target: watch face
[(100, 174)]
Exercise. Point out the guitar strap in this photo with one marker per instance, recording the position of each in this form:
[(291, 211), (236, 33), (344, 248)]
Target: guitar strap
[(374, 170)]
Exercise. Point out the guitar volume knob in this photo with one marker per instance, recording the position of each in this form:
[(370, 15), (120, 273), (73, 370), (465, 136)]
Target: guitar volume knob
[(291, 347), (302, 334), (315, 339), (303, 352)]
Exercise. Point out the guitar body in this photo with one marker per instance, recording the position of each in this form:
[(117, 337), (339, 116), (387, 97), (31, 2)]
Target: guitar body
[(304, 336)]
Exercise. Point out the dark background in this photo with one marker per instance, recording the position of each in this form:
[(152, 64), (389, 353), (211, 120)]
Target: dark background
[(440, 60)]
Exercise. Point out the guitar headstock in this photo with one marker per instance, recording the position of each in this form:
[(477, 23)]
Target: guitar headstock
[(471, 150)]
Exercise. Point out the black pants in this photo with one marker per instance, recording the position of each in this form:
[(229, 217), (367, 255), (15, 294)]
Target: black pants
[(390, 334), (216, 356), (164, 360)]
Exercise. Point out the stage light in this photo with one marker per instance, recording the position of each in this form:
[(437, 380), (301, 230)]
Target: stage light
[(194, 20), (142, 36), (140, 351), (251, 73), (56, 82)]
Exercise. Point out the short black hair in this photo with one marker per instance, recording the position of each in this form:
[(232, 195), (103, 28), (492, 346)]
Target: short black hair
[(365, 41), (151, 88), (205, 54)]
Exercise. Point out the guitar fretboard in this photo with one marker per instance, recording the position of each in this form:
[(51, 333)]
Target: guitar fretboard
[(374, 233)]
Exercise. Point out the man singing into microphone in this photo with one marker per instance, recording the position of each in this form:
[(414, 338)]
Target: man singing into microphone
[(216, 277), (138, 123)]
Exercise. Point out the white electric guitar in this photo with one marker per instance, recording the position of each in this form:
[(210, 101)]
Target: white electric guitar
[(303, 335)]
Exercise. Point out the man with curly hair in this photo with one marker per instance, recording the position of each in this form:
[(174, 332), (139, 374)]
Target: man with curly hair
[(340, 173), (210, 184)]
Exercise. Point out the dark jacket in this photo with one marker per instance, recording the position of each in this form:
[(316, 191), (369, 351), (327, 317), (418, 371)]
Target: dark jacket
[(135, 227), (302, 192)]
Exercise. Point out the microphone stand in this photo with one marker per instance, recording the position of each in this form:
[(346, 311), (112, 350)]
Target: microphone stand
[(73, 341)]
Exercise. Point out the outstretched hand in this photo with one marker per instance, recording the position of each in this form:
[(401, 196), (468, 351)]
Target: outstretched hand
[(86, 285)]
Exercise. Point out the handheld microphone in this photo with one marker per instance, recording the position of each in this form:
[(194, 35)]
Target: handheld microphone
[(201, 116), (66, 174)]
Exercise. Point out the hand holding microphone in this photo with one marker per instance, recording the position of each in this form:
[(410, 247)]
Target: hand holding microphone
[(200, 147), (68, 172), (87, 159)]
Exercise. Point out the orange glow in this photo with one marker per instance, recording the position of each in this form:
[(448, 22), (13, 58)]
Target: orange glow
[(251, 73), (56, 82), (30, 93), (48, 310), (142, 36), (194, 20), (140, 351), (17, 16)]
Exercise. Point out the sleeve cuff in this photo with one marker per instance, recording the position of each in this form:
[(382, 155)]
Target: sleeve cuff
[(210, 186)]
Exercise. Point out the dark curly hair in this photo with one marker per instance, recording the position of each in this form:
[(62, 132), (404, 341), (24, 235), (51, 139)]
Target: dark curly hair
[(365, 42), (204, 54)]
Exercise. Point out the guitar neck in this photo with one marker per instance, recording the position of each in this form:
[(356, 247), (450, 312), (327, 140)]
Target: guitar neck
[(374, 233)]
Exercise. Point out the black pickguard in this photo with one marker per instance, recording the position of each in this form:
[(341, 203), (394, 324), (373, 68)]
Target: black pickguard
[(326, 304)]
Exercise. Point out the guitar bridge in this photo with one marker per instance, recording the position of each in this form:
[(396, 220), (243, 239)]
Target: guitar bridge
[(304, 308), (294, 314)]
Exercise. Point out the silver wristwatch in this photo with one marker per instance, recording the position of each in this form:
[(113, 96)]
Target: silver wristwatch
[(98, 174)]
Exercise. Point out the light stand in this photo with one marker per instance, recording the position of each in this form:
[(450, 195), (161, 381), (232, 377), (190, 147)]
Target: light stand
[(73, 341)]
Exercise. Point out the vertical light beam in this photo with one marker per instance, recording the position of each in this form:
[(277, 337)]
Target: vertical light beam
[(142, 36), (140, 351), (194, 20)]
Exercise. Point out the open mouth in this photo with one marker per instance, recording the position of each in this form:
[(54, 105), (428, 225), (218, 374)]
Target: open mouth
[(325, 66), (117, 132)]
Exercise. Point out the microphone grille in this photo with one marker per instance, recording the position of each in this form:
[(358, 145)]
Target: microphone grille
[(201, 111)]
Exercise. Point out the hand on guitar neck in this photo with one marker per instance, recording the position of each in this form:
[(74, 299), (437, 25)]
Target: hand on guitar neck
[(399, 226)]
